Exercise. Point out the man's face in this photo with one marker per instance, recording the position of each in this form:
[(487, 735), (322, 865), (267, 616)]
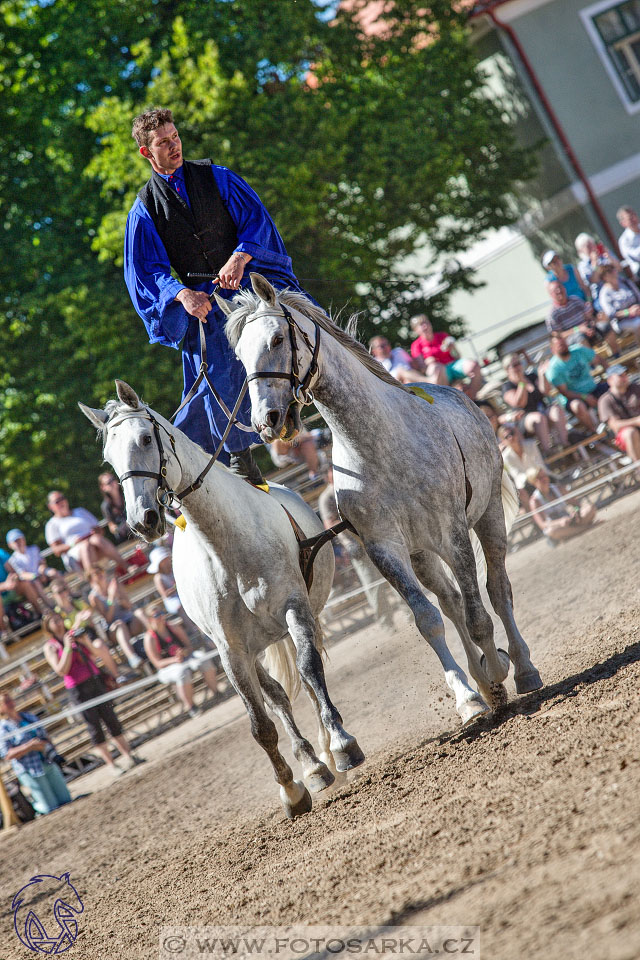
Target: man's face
[(381, 348), (164, 151), (629, 219), (7, 705), (425, 329), (559, 347), (558, 293), (58, 504), (618, 382), (20, 544)]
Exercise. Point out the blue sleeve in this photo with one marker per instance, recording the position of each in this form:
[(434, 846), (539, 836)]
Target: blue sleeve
[(257, 233), (553, 375), (587, 353), (147, 274), (39, 731)]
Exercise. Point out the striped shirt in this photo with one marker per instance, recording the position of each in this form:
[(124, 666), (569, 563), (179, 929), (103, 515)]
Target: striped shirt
[(572, 314), (11, 735)]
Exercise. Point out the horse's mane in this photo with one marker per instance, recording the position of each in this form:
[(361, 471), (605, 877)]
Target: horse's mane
[(247, 301)]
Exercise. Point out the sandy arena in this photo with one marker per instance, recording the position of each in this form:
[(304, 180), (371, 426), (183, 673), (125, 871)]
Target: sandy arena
[(528, 827)]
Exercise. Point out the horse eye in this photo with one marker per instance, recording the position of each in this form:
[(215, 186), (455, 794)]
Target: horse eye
[(146, 440), (277, 340)]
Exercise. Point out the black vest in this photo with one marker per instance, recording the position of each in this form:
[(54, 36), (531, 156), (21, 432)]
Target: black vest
[(197, 240)]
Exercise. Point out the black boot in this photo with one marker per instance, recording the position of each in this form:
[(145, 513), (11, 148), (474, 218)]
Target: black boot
[(243, 465)]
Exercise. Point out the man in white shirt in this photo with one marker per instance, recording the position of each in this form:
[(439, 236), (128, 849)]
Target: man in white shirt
[(629, 241), (74, 535)]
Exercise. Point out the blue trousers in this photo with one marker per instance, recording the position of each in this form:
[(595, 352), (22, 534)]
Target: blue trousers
[(49, 791)]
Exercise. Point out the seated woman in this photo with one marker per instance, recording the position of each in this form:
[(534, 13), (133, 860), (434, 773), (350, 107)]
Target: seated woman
[(169, 650), (122, 623), (438, 358), (619, 299), (529, 407), (71, 655), (562, 520), (519, 456)]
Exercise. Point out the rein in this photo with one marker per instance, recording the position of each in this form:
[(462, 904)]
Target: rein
[(300, 387)]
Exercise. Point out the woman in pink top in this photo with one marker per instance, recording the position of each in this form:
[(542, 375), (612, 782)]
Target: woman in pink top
[(71, 655), (438, 353)]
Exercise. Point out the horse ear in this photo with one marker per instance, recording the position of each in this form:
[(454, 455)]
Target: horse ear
[(226, 306), (97, 417), (127, 394), (263, 288)]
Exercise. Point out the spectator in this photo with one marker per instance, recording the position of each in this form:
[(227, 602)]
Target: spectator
[(73, 659), (572, 314), (593, 255), (396, 361), (629, 241), (569, 371), (76, 615), (438, 358), (376, 593), (519, 455), (561, 520), (169, 650), (565, 273), (490, 413), (109, 600), (28, 562), (529, 407), (161, 569), (33, 757), (113, 509), (619, 408), (74, 535), (13, 589), (620, 299), (302, 449)]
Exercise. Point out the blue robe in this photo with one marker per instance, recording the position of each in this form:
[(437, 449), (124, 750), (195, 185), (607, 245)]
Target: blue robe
[(147, 273)]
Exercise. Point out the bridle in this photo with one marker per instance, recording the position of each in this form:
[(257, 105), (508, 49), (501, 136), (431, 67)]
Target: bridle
[(164, 493), (301, 388)]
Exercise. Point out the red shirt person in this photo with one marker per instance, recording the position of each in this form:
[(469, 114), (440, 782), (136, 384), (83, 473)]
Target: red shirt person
[(437, 353)]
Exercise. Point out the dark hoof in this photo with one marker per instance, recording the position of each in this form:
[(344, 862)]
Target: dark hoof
[(528, 682), (349, 757), (319, 779), (298, 809)]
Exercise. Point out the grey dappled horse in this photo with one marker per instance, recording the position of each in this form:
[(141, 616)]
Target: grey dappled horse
[(412, 477), (238, 576)]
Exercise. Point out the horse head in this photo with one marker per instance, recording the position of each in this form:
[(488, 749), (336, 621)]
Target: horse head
[(133, 445), (260, 333), (44, 914)]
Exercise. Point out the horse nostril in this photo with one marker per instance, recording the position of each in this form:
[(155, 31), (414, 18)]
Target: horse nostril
[(150, 518), (272, 418)]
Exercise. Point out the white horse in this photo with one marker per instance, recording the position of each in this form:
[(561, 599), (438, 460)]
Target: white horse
[(238, 575), (411, 477)]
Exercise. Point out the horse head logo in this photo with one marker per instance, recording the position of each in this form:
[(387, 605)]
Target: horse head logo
[(44, 914)]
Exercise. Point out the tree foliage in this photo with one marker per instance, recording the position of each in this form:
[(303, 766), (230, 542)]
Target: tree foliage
[(365, 148)]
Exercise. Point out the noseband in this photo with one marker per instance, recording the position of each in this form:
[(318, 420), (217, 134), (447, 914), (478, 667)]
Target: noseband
[(302, 393), (164, 493)]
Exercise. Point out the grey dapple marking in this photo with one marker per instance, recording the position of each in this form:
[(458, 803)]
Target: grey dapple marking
[(401, 480), (238, 577)]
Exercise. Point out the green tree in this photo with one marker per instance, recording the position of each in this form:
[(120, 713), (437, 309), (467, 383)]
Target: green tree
[(364, 148)]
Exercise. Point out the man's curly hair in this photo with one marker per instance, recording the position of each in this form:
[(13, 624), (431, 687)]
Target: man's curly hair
[(147, 122)]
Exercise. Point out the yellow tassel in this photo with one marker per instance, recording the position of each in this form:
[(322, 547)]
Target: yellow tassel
[(419, 392), (262, 486), (181, 522)]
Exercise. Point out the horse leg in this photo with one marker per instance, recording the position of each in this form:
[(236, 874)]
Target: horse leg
[(242, 674), (461, 559), (491, 532), (432, 575), (302, 628), (316, 774), (394, 563)]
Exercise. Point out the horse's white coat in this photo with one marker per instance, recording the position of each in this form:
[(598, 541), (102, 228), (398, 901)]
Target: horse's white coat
[(238, 577), (404, 470)]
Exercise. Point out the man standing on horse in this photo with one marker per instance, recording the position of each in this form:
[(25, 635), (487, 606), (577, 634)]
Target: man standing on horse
[(198, 217)]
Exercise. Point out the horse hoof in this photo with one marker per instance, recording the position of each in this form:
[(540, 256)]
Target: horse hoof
[(301, 806), (349, 757), (319, 779), (503, 657), (528, 682), (471, 709)]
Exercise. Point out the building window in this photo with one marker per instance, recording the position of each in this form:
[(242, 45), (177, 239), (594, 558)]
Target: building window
[(618, 27)]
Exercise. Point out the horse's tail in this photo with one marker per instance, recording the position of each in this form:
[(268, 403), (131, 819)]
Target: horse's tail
[(280, 661)]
